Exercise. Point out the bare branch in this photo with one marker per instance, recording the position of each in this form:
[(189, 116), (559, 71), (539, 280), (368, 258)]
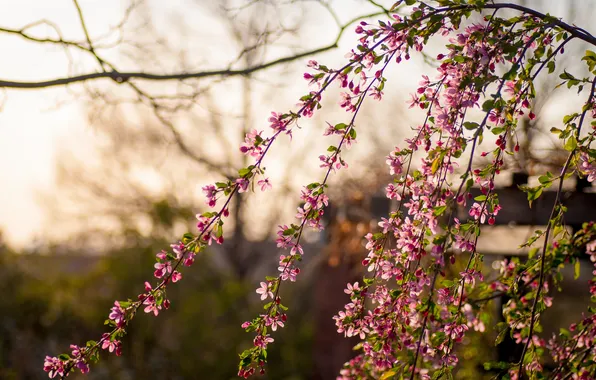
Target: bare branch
[(60, 41), (121, 77), (177, 137), (86, 31)]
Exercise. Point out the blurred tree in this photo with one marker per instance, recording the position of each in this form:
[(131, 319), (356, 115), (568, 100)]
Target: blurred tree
[(44, 310)]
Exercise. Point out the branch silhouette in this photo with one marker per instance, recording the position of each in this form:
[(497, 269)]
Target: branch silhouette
[(124, 76)]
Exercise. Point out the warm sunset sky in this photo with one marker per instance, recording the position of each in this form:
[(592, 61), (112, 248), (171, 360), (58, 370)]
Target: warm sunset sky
[(34, 124)]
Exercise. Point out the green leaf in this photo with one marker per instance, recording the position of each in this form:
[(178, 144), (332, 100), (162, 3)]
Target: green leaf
[(568, 118), (545, 179), (511, 73), (556, 131), (439, 210), (566, 75), (186, 238), (436, 163), (410, 2), (564, 333), (488, 105), (534, 193), (470, 125), (389, 374), (502, 328), (243, 172), (497, 130), (571, 144), (577, 269)]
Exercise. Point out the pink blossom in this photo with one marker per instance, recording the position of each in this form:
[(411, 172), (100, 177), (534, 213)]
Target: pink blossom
[(82, 366), (297, 249), (265, 184), (149, 300), (265, 290), (282, 239), (181, 252), (288, 272), (392, 192), (262, 341), (176, 276), (204, 221), (395, 163), (351, 289), (478, 211), (111, 344), (162, 269), (242, 184), (587, 166), (211, 193), (253, 144), (117, 314), (278, 122), (53, 366)]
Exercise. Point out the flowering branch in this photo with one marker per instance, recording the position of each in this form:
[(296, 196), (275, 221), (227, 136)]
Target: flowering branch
[(408, 313)]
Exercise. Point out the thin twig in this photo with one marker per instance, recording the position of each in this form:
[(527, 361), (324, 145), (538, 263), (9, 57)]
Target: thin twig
[(87, 37)]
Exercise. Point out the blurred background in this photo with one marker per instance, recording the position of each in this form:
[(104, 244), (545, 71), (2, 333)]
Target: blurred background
[(99, 176)]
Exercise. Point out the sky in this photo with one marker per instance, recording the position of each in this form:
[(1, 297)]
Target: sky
[(36, 124), (30, 124)]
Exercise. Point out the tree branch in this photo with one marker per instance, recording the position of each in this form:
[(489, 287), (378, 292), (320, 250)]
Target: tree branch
[(87, 37), (121, 77)]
